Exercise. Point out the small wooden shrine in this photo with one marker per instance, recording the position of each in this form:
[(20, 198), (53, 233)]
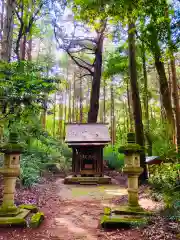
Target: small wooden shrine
[(87, 142)]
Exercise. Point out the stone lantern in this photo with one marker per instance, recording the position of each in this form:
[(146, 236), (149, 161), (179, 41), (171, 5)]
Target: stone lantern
[(10, 172), (10, 214), (132, 168), (131, 213)]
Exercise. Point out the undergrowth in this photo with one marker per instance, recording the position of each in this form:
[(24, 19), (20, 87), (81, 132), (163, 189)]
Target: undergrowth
[(165, 183), (114, 159)]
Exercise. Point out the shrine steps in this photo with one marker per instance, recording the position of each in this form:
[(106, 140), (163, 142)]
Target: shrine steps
[(87, 180)]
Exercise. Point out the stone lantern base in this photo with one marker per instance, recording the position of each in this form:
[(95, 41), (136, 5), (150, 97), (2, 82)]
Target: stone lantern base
[(124, 216), (14, 220), (131, 214), (24, 216)]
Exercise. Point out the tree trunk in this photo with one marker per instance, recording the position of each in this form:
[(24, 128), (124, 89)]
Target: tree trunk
[(146, 102), (129, 98), (104, 102), (23, 48), (137, 111), (164, 90), (81, 101), (74, 99), (65, 108), (43, 114), (8, 31), (60, 115), (29, 52), (54, 117), (69, 115), (2, 22), (77, 109), (169, 80), (112, 113), (175, 96), (95, 90)]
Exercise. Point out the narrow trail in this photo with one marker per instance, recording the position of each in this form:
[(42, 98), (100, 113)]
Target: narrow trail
[(73, 212)]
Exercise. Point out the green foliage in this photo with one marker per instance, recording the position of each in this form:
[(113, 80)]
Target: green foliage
[(40, 153), (162, 145), (115, 160), (22, 90), (165, 182), (30, 170), (165, 178)]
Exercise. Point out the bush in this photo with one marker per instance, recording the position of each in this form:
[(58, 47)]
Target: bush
[(30, 169), (38, 155), (165, 178), (114, 159), (165, 182)]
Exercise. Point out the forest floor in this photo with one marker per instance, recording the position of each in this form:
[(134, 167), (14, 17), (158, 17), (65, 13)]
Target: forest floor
[(73, 213)]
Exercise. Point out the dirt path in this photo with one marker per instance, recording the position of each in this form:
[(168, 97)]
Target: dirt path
[(72, 213)]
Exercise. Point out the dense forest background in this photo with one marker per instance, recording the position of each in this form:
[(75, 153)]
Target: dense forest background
[(115, 62)]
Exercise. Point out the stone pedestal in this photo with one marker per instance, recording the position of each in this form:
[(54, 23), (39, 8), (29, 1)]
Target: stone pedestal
[(131, 213)]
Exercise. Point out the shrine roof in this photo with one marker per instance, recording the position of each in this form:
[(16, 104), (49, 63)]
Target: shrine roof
[(153, 160), (87, 133)]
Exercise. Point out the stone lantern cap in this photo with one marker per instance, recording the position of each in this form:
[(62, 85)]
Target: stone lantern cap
[(130, 147), (12, 146)]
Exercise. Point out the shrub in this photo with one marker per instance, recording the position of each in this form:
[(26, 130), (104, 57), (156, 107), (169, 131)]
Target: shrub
[(30, 169), (114, 159), (165, 182), (37, 156), (165, 178)]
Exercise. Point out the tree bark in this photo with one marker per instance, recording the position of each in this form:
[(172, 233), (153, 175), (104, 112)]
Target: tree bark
[(164, 89), (74, 99), (43, 114), (8, 31), (23, 48), (60, 115), (2, 21), (65, 103), (29, 52), (54, 117), (104, 102), (175, 96), (69, 112), (169, 80), (146, 102), (95, 90), (129, 98), (81, 100), (112, 113), (137, 111)]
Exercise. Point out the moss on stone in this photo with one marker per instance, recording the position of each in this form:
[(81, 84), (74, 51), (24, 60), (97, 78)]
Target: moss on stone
[(121, 221), (130, 148), (131, 210), (32, 208), (11, 147), (107, 211), (36, 220), (8, 210), (12, 221)]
